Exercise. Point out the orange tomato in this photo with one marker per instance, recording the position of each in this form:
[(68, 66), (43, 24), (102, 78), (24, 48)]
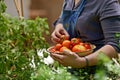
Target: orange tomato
[(64, 48), (58, 46), (66, 43), (75, 41), (78, 48)]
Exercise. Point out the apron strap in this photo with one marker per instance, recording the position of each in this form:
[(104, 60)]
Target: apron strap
[(81, 7), (70, 18)]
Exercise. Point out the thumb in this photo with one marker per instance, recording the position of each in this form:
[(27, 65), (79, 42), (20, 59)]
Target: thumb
[(67, 52)]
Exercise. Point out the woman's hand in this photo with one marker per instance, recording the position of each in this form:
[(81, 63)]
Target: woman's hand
[(68, 58), (57, 33)]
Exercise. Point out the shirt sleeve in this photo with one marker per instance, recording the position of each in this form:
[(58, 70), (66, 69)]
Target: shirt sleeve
[(109, 8), (110, 22), (59, 20), (111, 30)]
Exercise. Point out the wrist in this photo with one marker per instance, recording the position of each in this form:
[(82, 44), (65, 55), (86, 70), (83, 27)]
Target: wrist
[(59, 25), (86, 61), (82, 62)]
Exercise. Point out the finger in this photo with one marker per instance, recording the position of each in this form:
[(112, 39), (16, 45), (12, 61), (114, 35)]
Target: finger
[(65, 65), (64, 32), (58, 34), (57, 56), (57, 59), (54, 38), (66, 52)]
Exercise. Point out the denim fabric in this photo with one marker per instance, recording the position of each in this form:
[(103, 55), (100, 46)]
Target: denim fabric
[(70, 17)]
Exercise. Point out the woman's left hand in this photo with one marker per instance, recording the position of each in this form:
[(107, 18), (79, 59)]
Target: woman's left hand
[(68, 58)]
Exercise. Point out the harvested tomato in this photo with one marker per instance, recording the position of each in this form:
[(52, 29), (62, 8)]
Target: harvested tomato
[(63, 37), (58, 46), (87, 45), (75, 41), (64, 48), (71, 46), (81, 43), (52, 50), (78, 48), (66, 43)]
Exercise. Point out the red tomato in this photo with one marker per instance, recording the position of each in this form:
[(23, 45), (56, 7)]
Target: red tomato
[(63, 37), (75, 41), (71, 46), (52, 50), (66, 43), (81, 43), (78, 48), (58, 46), (87, 45)]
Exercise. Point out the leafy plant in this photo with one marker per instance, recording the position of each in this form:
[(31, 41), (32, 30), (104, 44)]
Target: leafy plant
[(19, 42), (108, 69)]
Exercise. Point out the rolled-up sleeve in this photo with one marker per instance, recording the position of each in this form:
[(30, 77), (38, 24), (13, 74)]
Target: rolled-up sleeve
[(59, 20), (110, 22), (111, 30)]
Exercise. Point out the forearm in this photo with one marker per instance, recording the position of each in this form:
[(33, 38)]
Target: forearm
[(107, 50)]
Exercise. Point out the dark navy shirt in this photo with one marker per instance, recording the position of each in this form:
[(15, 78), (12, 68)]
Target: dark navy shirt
[(98, 22)]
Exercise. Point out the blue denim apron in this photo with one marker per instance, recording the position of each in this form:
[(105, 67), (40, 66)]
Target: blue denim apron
[(70, 18)]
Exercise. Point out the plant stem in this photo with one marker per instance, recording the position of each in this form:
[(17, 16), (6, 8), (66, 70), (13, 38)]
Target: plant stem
[(22, 11), (17, 7)]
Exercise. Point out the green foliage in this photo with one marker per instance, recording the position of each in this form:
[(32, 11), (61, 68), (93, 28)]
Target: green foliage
[(107, 69), (57, 72), (2, 6), (117, 37), (19, 42)]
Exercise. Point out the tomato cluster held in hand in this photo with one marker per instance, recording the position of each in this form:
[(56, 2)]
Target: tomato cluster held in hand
[(73, 45)]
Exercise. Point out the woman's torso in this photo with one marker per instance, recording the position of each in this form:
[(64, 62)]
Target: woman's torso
[(88, 26)]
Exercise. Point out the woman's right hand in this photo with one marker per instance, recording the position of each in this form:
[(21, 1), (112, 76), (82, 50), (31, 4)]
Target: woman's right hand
[(58, 32)]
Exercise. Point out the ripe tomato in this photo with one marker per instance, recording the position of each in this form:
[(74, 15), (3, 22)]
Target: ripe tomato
[(63, 37), (52, 50), (58, 46), (64, 48), (78, 48), (75, 41), (81, 43), (87, 45), (71, 46), (66, 43)]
